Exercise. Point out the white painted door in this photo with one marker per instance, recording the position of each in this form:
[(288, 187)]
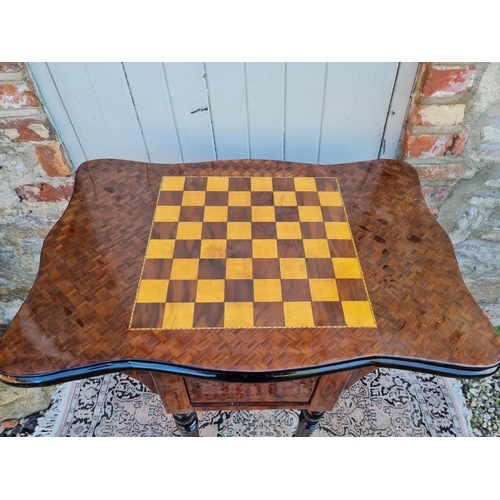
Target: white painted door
[(186, 112)]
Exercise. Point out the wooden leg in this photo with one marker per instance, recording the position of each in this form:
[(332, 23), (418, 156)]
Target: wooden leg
[(308, 423), (187, 423)]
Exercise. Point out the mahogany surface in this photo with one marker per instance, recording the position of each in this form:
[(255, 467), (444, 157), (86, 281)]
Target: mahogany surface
[(78, 319)]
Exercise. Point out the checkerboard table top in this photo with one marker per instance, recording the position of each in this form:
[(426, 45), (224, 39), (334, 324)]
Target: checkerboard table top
[(245, 252), (246, 270)]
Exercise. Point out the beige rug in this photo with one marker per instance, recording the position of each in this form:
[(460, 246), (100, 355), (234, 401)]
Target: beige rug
[(383, 403)]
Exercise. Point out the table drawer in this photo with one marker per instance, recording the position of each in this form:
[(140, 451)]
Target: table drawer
[(209, 392)]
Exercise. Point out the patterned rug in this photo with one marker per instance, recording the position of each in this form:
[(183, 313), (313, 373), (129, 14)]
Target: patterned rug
[(383, 403)]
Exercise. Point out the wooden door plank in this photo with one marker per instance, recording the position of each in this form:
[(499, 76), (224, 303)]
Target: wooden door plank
[(356, 102), (266, 109), (304, 103), (227, 96), (190, 107), (152, 103), (54, 107)]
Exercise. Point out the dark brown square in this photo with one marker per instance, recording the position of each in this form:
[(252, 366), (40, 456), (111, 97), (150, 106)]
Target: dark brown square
[(170, 198), (326, 184), (283, 184), (313, 230), (148, 316), (290, 249), (286, 214), (262, 198), (333, 214), (266, 268), (239, 184), (210, 269), (239, 214), (319, 268), (216, 198), (351, 289), (264, 230), (328, 314), (342, 248), (239, 248), (195, 184), (214, 231), (268, 314), (164, 231), (191, 214), (187, 249), (305, 198), (157, 269), (295, 290), (238, 291), (209, 315), (181, 291)]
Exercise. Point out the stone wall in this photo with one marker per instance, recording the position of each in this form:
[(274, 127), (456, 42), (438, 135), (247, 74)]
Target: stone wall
[(453, 139)]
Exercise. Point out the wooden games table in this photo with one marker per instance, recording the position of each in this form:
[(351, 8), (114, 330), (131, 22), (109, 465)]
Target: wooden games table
[(246, 284)]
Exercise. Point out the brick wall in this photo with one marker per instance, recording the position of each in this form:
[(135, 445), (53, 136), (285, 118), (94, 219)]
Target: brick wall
[(435, 137), (36, 182)]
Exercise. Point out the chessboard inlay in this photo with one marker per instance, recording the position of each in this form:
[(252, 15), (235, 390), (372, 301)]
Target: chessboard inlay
[(250, 252)]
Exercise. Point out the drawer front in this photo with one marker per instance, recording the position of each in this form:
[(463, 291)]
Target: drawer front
[(210, 392)]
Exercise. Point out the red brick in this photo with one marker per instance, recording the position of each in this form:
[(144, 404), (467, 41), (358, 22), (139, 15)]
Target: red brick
[(52, 160), (444, 172), (44, 192), (441, 82), (11, 67), (458, 145), (27, 130), (441, 115), (425, 146), (19, 95), (436, 193)]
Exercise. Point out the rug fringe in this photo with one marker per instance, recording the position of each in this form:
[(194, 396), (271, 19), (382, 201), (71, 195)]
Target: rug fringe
[(48, 424), (464, 412)]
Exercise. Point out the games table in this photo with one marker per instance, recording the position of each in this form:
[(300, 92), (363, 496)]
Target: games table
[(246, 285)]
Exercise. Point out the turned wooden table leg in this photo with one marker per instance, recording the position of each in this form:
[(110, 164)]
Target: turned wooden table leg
[(187, 423), (308, 422)]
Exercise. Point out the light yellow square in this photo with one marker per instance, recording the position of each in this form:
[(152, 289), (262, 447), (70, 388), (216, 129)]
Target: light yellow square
[(261, 184), (217, 183), (267, 290), (239, 230), (189, 230), (264, 249), (152, 291), (238, 314), (178, 315), (305, 184), (298, 314), (193, 198), (213, 249), (288, 230), (324, 290), (263, 214), (358, 313), (346, 268), (310, 214), (285, 199), (167, 213), (184, 269), (215, 214), (337, 230), (316, 249), (172, 183), (292, 268), (239, 199), (239, 269), (330, 199), (210, 291), (160, 249)]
